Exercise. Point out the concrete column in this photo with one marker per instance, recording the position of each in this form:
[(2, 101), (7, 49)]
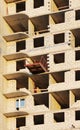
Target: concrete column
[(51, 80), (29, 120), (53, 104), (53, 6), (74, 3), (71, 98), (70, 16), (31, 84), (30, 27), (48, 118)]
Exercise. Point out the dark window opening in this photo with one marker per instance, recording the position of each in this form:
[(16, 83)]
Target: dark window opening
[(77, 42), (20, 45), (59, 58), (77, 17), (59, 38), (41, 99), (20, 122), (77, 75), (77, 55), (38, 42), (20, 6), (59, 117), (20, 65), (77, 115), (38, 119), (22, 83), (38, 3)]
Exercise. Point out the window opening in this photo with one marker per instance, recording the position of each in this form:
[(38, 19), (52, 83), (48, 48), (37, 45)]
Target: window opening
[(38, 3), (20, 103), (59, 38), (20, 65), (59, 58), (77, 75), (77, 55), (20, 45), (77, 15), (38, 119), (59, 117), (20, 122), (77, 115), (38, 42), (20, 6)]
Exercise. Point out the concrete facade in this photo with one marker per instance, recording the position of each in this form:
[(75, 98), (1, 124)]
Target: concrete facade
[(40, 64)]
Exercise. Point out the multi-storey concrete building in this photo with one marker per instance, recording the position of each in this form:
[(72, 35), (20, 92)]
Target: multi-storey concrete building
[(39, 64)]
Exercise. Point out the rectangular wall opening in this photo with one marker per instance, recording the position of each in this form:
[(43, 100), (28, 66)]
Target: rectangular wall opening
[(38, 3), (20, 45), (38, 42), (21, 6), (40, 99), (77, 15), (20, 103), (59, 76), (20, 65), (77, 55), (61, 98), (40, 24), (59, 58), (76, 93), (59, 117), (77, 115), (77, 42), (77, 75), (58, 17), (38, 119), (62, 5), (22, 83), (20, 122), (59, 38)]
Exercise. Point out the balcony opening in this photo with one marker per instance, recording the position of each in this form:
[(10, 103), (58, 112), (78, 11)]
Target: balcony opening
[(39, 3), (20, 45), (20, 65), (77, 115), (59, 38), (77, 15), (38, 42), (38, 64), (40, 99), (20, 6), (38, 119), (40, 24), (77, 75), (39, 86), (76, 93), (61, 98), (59, 117), (77, 55), (62, 4), (59, 76), (59, 58), (20, 122), (58, 17)]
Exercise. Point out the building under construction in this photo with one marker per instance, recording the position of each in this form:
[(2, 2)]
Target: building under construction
[(39, 64)]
